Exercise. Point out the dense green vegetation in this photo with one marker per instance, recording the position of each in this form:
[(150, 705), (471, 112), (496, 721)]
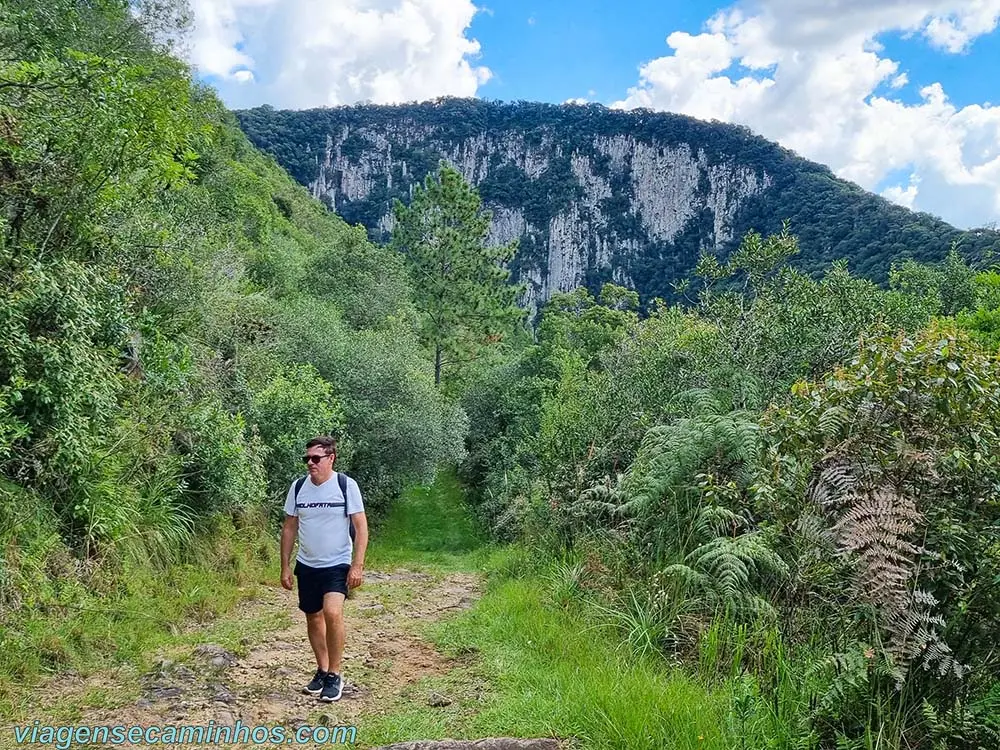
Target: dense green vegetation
[(833, 219), (790, 486), (177, 317)]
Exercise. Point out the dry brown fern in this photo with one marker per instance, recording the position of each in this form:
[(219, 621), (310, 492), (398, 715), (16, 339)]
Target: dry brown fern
[(872, 526)]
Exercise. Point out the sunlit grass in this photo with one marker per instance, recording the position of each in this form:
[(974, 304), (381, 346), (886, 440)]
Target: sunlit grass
[(556, 672), (429, 526), (533, 658), (141, 611)]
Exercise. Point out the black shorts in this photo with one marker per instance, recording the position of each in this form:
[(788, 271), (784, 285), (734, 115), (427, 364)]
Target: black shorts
[(315, 582)]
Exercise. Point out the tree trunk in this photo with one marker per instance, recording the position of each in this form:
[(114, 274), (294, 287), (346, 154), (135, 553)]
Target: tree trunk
[(437, 365)]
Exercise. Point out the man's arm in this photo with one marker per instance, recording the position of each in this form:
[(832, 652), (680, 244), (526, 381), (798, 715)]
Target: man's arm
[(288, 532), (356, 573)]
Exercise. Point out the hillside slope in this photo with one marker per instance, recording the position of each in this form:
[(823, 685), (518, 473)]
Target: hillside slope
[(177, 318)]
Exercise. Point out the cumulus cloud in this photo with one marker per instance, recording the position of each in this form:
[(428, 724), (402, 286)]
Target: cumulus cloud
[(955, 29), (216, 37), (905, 196), (811, 75), (308, 53)]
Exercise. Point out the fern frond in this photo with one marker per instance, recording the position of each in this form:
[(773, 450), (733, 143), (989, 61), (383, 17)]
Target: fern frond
[(671, 455), (725, 566), (698, 401), (730, 562), (604, 499), (687, 575), (716, 520), (873, 527), (845, 674), (834, 420)]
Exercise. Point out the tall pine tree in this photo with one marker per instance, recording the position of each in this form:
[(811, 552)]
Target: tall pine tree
[(460, 282)]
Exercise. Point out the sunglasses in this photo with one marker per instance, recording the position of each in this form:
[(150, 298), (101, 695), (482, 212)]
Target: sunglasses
[(314, 459)]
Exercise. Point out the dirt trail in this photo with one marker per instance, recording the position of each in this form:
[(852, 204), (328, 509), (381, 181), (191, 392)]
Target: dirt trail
[(384, 657)]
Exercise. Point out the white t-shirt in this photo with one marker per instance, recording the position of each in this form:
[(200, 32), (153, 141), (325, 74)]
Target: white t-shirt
[(324, 533)]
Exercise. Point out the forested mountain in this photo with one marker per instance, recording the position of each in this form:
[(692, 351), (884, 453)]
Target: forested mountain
[(595, 194)]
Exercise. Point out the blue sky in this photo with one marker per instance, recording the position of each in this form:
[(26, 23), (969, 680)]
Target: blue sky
[(539, 52), (900, 96)]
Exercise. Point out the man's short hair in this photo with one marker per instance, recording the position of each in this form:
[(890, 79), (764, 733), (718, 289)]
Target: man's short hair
[(329, 444)]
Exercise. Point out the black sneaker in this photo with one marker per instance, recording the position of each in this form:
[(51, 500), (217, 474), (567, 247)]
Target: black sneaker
[(316, 685), (333, 686)]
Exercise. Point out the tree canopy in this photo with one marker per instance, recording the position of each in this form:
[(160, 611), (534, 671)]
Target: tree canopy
[(459, 280)]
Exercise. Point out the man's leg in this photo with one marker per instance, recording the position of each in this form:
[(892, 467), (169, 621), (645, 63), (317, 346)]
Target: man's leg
[(333, 624), (311, 604), (316, 626)]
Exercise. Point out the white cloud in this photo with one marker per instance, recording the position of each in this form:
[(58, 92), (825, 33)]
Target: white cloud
[(588, 99), (813, 77), (308, 53), (954, 30), (216, 37), (904, 196)]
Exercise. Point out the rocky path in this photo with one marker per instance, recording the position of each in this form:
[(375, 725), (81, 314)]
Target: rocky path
[(259, 683)]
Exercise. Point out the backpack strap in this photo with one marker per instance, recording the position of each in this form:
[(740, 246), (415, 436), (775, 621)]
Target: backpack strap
[(298, 485), (342, 481)]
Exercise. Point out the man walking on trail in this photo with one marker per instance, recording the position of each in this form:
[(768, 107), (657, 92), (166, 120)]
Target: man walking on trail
[(324, 509)]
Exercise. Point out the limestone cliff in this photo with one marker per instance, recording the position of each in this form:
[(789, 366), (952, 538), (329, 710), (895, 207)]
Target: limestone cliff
[(593, 194), (665, 189)]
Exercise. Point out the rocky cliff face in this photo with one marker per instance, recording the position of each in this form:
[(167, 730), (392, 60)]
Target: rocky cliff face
[(594, 194), (663, 189)]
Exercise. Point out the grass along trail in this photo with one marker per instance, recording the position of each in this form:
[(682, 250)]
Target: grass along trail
[(448, 638)]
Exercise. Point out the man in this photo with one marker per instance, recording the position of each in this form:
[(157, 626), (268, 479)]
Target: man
[(328, 564)]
